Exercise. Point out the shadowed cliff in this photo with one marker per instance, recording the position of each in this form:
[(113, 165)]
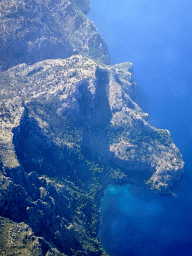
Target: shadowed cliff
[(70, 127)]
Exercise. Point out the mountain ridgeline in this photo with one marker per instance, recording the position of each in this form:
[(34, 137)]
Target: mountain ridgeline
[(69, 128)]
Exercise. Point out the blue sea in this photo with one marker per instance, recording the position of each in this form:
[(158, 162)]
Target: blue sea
[(156, 36)]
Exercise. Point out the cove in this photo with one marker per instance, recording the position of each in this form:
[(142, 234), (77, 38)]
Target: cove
[(156, 37), (137, 221)]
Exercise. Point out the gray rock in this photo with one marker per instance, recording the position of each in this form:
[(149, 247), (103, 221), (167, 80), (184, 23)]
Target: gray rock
[(19, 239), (33, 30), (69, 128)]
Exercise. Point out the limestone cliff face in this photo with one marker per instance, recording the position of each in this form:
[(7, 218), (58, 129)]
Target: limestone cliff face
[(78, 103), (69, 127), (34, 30)]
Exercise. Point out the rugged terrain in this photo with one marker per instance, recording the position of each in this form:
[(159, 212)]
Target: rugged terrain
[(69, 128), (34, 30)]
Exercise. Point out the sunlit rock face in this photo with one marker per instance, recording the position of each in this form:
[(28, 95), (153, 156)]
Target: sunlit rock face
[(69, 128), (31, 31), (20, 239), (97, 103)]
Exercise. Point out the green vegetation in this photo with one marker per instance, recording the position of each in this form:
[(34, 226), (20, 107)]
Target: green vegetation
[(86, 200), (4, 80), (4, 96), (12, 86), (162, 136), (136, 135), (62, 131)]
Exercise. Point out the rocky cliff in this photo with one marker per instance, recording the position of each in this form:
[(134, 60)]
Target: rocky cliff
[(69, 128), (34, 30)]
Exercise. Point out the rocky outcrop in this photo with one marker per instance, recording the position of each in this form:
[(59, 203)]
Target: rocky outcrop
[(79, 104), (32, 31), (52, 225), (19, 239), (69, 128)]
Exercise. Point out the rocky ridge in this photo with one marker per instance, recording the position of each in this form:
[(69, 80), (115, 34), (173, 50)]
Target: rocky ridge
[(35, 30), (69, 128), (96, 108)]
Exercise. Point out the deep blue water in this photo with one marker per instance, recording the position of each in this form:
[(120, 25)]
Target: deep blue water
[(156, 36)]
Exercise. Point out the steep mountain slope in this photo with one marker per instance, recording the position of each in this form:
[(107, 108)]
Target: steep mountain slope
[(74, 122), (69, 129), (34, 30)]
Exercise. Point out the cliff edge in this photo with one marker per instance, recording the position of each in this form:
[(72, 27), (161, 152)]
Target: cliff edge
[(69, 128)]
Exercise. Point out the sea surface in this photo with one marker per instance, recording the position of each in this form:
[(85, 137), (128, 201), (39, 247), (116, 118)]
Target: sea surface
[(156, 36)]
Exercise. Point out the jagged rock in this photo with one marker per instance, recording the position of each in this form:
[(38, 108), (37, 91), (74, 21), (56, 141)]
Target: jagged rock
[(19, 239), (98, 114), (75, 121), (13, 199), (33, 30), (69, 128), (48, 217), (33, 178)]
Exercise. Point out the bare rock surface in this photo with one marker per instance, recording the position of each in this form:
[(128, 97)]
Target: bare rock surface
[(34, 30), (69, 128), (77, 103), (19, 239)]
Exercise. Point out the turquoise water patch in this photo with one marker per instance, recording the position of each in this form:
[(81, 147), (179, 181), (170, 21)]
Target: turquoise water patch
[(137, 221), (156, 37)]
